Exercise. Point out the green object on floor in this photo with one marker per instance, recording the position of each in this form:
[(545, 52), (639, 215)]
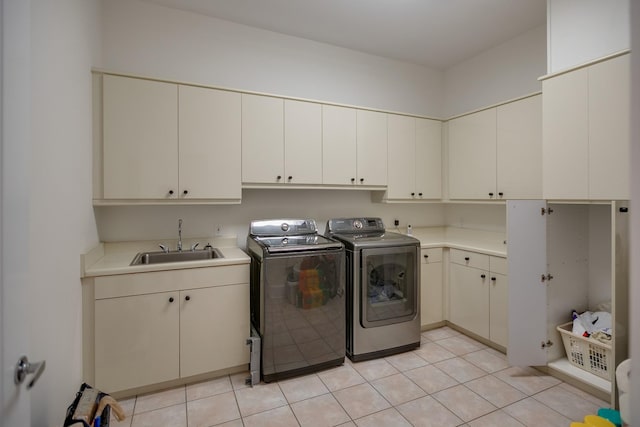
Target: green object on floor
[(611, 415)]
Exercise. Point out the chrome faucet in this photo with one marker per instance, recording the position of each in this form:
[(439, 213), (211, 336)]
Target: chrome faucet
[(179, 234)]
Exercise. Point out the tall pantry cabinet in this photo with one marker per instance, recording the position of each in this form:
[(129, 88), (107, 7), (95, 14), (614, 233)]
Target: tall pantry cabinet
[(565, 257), (586, 132)]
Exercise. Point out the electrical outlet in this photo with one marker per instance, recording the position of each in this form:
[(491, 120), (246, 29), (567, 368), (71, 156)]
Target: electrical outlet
[(396, 222), (218, 229)]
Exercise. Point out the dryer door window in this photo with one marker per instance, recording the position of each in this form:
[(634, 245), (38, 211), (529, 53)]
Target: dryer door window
[(389, 285)]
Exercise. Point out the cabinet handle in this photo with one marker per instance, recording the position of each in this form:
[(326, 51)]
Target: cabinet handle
[(493, 279), (187, 298), (413, 194), (490, 194), (426, 256), (170, 192), (501, 194), (185, 192), (420, 194), (466, 258), (171, 299), (483, 276), (290, 178), (278, 178)]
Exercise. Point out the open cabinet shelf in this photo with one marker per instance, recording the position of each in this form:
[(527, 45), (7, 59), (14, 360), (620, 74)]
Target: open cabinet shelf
[(564, 257)]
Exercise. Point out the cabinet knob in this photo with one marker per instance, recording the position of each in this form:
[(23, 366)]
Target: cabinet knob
[(279, 177), (289, 177), (353, 180), (490, 194), (466, 258), (171, 299), (185, 192), (420, 194), (426, 256), (501, 194), (483, 276), (187, 298), (361, 180), (413, 194), (170, 192), (493, 279)]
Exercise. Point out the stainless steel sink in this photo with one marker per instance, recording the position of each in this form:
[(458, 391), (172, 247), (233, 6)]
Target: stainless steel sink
[(159, 257)]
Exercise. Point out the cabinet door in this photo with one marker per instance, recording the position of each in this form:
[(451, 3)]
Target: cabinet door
[(210, 146), (214, 325), (609, 89), (472, 156), (565, 136), (302, 142), (262, 139), (527, 296), (136, 341), (498, 309), (140, 124), (428, 159), (401, 157), (431, 300), (469, 298), (519, 149), (338, 145), (371, 148)]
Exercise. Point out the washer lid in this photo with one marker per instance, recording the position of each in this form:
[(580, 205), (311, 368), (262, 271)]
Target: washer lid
[(377, 239), (274, 244), (364, 225), (282, 227)]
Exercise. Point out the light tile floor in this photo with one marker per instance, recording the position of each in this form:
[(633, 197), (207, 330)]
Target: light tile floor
[(451, 380)]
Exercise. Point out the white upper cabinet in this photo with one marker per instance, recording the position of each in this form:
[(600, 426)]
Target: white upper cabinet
[(281, 141), (401, 154), (586, 132), (164, 141), (302, 142), (565, 118), (609, 89), (519, 149), (140, 139), (338, 145), (209, 141), (371, 148), (472, 156), (262, 139), (414, 156), (497, 153)]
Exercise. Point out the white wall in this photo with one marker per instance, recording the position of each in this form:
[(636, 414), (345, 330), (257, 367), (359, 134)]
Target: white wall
[(502, 73), (149, 223), (153, 40), (64, 46), (584, 30)]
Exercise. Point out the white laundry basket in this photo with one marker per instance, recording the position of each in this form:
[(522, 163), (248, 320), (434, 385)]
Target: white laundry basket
[(586, 353)]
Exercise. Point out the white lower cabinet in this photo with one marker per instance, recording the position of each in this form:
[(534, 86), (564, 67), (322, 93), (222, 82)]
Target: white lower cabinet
[(478, 294), (136, 341), (161, 326), (572, 257), (431, 298)]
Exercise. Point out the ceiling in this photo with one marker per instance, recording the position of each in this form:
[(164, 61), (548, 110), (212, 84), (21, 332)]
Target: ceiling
[(434, 33)]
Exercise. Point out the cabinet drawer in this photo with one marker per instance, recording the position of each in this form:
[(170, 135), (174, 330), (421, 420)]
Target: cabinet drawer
[(431, 255), (498, 265), (470, 259), (172, 280)]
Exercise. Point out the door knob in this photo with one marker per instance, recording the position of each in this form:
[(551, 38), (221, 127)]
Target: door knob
[(24, 368)]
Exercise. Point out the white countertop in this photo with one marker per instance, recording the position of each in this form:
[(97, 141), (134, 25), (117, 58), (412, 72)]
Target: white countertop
[(487, 242), (114, 258)]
